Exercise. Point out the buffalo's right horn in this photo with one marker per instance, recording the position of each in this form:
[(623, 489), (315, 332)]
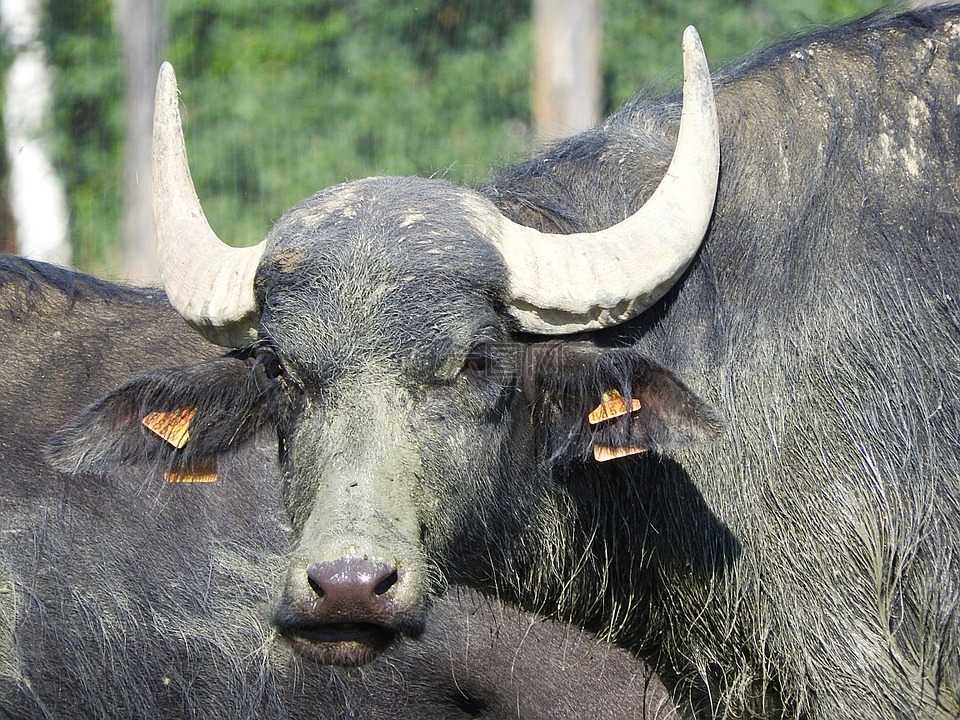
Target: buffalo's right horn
[(585, 281), (208, 282)]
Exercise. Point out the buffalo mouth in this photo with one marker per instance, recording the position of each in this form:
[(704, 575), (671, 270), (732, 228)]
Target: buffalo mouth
[(347, 611), (343, 643)]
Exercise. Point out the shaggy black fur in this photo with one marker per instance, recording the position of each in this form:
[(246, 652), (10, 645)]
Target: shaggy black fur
[(801, 563), (821, 320), (124, 597)]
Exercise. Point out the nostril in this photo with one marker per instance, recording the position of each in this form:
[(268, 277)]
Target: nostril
[(388, 582), (315, 586), (351, 581)]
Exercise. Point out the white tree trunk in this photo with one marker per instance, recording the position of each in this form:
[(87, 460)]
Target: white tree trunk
[(139, 26), (566, 81), (37, 196)]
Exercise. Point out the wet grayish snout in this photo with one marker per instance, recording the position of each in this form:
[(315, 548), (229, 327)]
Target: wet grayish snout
[(344, 611), (351, 584)]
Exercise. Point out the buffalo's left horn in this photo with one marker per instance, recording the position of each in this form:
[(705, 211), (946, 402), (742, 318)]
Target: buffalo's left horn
[(208, 282), (585, 281)]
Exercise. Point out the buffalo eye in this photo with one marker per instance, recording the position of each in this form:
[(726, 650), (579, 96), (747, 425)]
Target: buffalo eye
[(479, 361), (269, 361), (493, 361)]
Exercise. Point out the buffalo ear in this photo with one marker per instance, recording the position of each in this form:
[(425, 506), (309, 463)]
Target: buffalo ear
[(610, 403), (179, 419)]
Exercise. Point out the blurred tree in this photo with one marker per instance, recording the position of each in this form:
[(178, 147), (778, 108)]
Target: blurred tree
[(566, 68), (283, 98), (139, 23), (88, 119), (282, 103), (642, 39), (38, 201), (8, 224)]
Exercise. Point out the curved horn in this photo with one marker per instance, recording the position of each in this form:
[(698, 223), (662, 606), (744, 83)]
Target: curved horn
[(585, 281), (208, 282)]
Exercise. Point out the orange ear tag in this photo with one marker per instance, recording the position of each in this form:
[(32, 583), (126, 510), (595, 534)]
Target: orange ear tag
[(613, 406), (602, 453), (196, 474), (173, 426)]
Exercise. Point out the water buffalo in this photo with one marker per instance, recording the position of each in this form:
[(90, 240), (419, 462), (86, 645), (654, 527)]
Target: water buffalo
[(123, 596), (688, 379)]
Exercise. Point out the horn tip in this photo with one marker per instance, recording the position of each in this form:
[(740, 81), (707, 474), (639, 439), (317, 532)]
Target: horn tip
[(166, 71), (167, 89), (695, 65), (691, 40)]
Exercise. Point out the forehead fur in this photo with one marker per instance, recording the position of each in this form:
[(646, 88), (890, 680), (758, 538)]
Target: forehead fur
[(386, 230), (382, 264)]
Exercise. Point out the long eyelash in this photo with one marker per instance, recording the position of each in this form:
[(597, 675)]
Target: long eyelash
[(480, 357)]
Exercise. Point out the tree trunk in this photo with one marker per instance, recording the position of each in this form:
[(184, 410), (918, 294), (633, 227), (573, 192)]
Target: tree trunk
[(139, 23), (37, 198), (566, 82)]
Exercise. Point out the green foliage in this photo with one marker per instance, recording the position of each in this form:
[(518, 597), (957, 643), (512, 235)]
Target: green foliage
[(283, 101), (283, 98), (89, 123), (642, 39), (8, 226)]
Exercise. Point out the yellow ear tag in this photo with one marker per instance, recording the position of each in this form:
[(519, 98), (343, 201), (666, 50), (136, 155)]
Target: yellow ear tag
[(602, 453), (613, 406), (196, 474), (173, 426)]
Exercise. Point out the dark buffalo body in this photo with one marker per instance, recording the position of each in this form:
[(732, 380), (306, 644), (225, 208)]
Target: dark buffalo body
[(123, 596), (786, 546)]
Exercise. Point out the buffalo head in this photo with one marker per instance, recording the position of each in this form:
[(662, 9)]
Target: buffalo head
[(390, 331)]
